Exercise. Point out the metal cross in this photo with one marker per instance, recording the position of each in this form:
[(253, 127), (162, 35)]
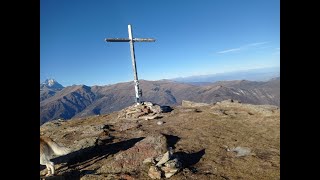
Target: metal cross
[(131, 40)]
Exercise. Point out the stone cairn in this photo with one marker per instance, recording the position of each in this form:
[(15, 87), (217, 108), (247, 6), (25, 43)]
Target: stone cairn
[(166, 165), (145, 110)]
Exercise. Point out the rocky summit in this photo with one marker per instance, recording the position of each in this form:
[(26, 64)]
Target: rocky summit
[(222, 140)]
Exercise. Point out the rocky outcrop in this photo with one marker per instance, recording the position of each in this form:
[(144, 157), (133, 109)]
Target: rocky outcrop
[(145, 110), (131, 159)]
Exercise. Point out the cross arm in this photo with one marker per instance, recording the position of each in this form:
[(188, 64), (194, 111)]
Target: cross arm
[(128, 40), (117, 39), (143, 40)]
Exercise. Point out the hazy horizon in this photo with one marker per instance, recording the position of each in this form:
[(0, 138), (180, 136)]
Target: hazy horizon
[(176, 79)]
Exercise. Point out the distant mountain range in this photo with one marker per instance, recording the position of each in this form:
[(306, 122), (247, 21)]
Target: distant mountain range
[(57, 101), (261, 74)]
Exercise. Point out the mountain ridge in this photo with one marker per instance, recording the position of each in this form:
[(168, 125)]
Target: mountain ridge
[(82, 100)]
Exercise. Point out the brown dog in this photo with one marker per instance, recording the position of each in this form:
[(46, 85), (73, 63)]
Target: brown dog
[(47, 148)]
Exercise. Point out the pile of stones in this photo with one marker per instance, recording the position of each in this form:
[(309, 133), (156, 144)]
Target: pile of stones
[(145, 110), (163, 166)]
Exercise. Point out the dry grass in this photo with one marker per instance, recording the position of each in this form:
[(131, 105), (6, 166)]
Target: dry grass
[(203, 134)]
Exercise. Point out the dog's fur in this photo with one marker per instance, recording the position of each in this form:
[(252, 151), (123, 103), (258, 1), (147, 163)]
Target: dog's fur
[(47, 148)]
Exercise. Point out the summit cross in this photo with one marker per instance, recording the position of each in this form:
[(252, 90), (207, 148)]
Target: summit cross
[(131, 41)]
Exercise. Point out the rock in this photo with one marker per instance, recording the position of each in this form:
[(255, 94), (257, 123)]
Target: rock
[(174, 163), (138, 111), (192, 104), (168, 167), (150, 117), (168, 171), (133, 158), (171, 167), (156, 109), (154, 172), (160, 122), (149, 161), (165, 157), (149, 104), (241, 151)]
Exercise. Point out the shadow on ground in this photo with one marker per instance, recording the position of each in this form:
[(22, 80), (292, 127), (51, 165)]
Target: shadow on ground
[(171, 140), (190, 159), (166, 109), (78, 160), (187, 159)]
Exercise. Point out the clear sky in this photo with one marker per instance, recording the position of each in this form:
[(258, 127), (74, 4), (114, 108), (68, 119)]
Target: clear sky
[(193, 37)]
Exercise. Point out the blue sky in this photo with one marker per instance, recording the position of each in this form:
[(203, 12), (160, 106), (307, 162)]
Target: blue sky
[(192, 38)]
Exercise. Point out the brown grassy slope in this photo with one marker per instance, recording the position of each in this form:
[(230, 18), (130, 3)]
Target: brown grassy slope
[(202, 134)]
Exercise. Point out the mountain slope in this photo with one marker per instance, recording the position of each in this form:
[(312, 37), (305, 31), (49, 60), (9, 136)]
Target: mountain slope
[(66, 103), (81, 101), (49, 88)]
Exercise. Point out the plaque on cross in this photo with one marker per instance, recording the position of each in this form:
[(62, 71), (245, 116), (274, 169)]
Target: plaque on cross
[(131, 41)]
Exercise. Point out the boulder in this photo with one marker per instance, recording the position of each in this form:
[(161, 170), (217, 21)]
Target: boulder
[(133, 158)]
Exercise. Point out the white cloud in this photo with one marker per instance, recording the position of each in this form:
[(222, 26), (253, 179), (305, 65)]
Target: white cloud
[(257, 44), (229, 50), (246, 46)]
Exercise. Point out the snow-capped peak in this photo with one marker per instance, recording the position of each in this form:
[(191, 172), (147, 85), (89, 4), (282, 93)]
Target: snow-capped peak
[(51, 83)]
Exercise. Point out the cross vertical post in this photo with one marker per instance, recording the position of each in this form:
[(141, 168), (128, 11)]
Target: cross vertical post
[(134, 66), (131, 41)]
